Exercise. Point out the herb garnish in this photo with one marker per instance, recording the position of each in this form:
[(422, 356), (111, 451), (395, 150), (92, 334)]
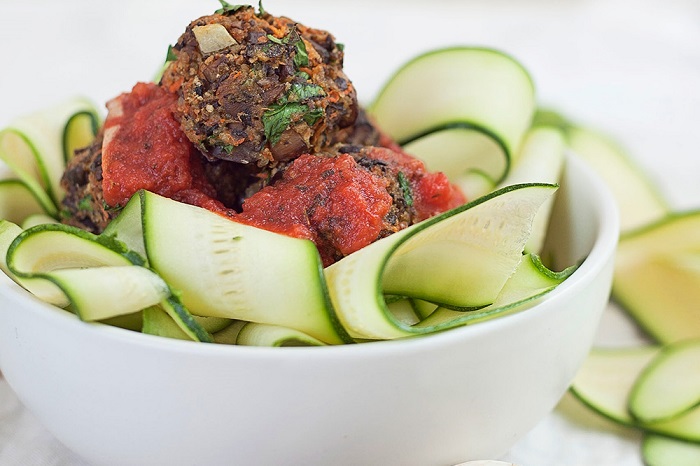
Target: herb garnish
[(280, 115), (170, 56), (261, 10), (405, 189), (277, 119), (85, 203), (227, 7), (274, 39), (301, 57), (304, 91), (109, 208)]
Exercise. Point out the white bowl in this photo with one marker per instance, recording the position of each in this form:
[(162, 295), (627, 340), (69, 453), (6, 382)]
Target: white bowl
[(122, 398)]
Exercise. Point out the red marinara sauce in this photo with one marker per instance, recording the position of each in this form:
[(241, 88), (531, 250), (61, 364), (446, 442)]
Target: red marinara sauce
[(330, 200), (144, 148)]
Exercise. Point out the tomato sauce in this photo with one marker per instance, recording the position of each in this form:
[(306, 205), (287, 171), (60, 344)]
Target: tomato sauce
[(330, 200), (145, 148), (432, 193)]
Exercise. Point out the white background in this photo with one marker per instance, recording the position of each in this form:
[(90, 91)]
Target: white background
[(630, 68)]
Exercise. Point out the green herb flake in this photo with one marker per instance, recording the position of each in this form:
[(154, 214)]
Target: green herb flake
[(226, 7), (85, 203), (405, 189), (312, 116), (170, 56), (277, 119), (340, 46), (228, 148), (301, 58), (109, 208), (304, 91), (261, 10), (274, 39)]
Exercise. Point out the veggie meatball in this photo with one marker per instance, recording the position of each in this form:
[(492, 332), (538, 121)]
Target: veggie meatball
[(259, 89)]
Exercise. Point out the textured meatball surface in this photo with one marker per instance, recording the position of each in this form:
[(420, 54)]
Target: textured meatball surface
[(277, 91)]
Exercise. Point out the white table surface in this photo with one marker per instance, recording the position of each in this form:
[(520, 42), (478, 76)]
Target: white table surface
[(630, 67)]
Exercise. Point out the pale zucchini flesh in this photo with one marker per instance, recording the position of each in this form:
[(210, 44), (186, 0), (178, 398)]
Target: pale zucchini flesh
[(403, 310), (607, 377), (499, 222), (54, 261), (639, 201), (253, 334), (21, 157), (474, 183), (670, 385), (657, 277), (458, 151), (192, 248), (530, 281), (540, 159), (18, 201), (33, 147), (98, 293), (664, 451), (127, 227), (229, 335), (34, 220), (8, 232), (79, 131), (157, 322), (606, 380), (489, 92)]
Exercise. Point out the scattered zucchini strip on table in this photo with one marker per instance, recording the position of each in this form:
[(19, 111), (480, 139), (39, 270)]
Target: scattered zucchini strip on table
[(609, 376), (669, 386), (458, 109), (639, 201), (664, 451), (657, 277)]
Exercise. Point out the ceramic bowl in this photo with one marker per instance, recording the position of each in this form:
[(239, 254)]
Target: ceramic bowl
[(121, 398)]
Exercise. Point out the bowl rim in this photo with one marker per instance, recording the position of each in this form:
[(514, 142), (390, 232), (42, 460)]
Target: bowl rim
[(602, 250)]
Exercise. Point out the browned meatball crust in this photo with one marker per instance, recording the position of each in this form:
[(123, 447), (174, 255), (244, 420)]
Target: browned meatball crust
[(277, 91)]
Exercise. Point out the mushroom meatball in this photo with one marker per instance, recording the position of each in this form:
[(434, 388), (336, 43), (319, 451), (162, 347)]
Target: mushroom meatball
[(259, 89)]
